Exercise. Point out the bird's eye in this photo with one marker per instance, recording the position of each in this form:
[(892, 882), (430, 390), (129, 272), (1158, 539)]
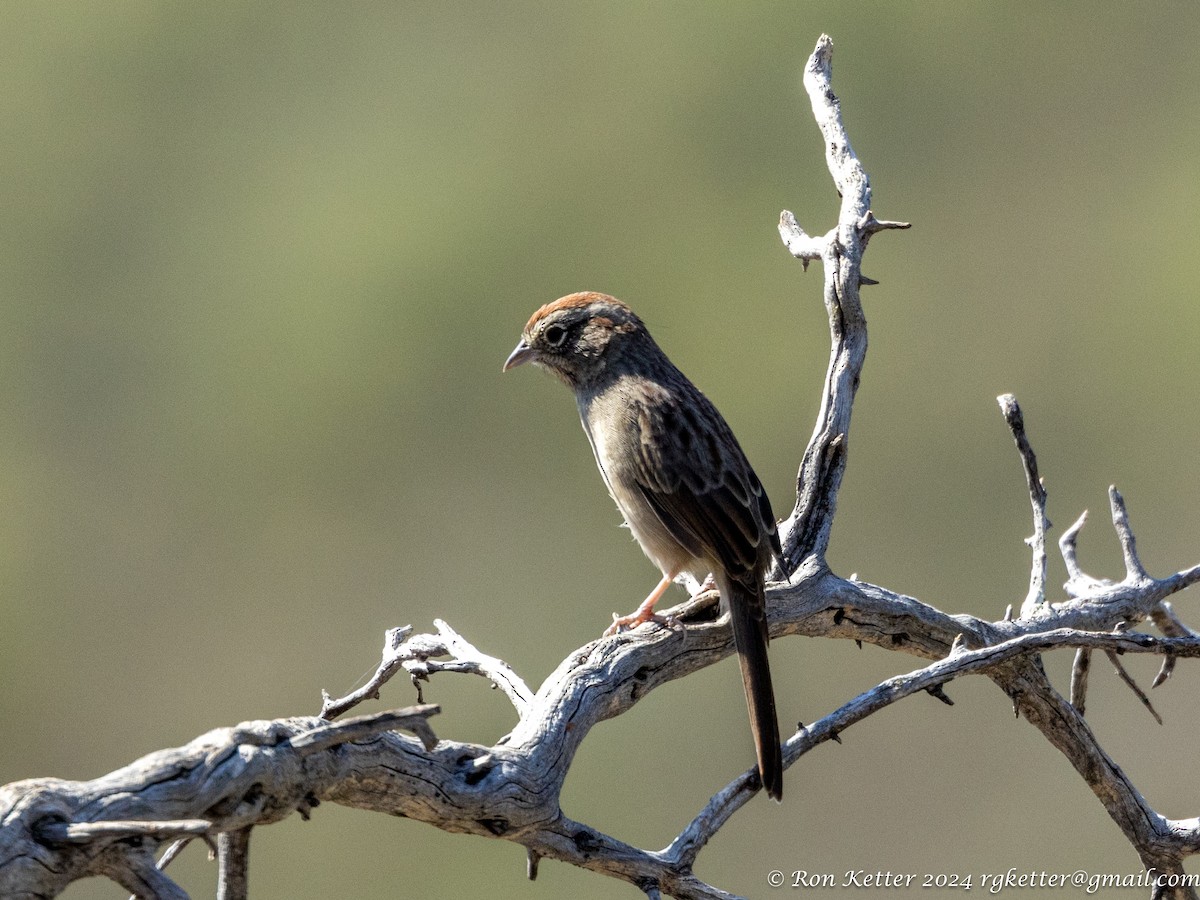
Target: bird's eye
[(554, 335)]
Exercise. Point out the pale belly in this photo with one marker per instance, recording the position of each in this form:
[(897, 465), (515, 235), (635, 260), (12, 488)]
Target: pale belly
[(652, 536)]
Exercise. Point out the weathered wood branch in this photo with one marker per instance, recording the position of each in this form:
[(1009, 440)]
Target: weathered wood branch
[(224, 783), (1037, 497)]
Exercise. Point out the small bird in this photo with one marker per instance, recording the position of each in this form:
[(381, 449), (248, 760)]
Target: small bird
[(677, 474)]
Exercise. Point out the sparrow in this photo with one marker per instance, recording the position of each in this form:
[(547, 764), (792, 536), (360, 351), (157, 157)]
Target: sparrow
[(677, 474)]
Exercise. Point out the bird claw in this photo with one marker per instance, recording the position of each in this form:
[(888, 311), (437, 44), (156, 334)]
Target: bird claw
[(633, 620)]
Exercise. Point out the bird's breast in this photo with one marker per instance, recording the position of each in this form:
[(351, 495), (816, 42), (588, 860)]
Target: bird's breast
[(613, 438)]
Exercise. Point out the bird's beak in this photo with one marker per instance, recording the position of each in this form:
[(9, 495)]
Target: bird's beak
[(521, 354)]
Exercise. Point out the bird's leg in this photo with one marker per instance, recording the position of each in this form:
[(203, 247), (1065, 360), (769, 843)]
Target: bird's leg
[(709, 584), (645, 612)]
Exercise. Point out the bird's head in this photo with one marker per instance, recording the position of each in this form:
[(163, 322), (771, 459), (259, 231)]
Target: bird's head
[(579, 337)]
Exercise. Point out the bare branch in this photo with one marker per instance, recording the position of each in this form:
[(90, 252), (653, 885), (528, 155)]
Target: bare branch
[(1037, 498), (390, 663), (259, 772), (86, 832), (1171, 625), (1079, 583), (134, 869), (417, 655), (466, 658), (805, 533), (1134, 571), (975, 661), (869, 225), (233, 856), (414, 719), (736, 794), (799, 244), (1079, 678), (1132, 685), (174, 850)]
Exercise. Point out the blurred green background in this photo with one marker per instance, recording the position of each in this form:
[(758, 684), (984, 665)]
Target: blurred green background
[(261, 264)]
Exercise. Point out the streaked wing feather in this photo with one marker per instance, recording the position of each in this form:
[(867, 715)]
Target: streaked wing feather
[(714, 506)]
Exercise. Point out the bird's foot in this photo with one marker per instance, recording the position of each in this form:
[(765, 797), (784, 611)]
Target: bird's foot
[(634, 619)]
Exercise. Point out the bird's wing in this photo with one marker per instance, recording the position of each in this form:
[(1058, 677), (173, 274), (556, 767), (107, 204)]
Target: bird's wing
[(694, 475)]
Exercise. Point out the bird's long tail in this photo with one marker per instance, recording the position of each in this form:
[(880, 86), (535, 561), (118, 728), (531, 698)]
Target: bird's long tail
[(748, 614)]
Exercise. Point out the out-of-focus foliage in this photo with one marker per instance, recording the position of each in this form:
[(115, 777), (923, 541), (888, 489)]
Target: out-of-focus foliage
[(260, 266)]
